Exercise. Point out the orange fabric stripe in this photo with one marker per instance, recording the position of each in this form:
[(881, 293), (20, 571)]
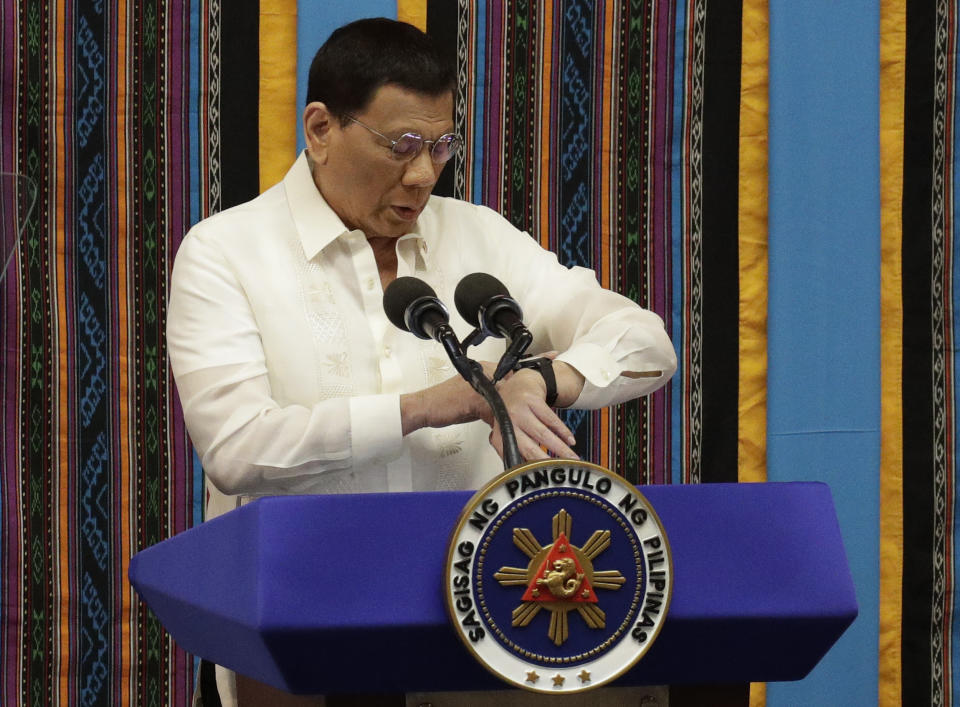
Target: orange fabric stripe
[(61, 545), (606, 168), (128, 603), (892, 60), (606, 199), (544, 87)]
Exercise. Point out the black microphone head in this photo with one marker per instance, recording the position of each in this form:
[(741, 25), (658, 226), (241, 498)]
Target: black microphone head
[(400, 294), (473, 292), (412, 305)]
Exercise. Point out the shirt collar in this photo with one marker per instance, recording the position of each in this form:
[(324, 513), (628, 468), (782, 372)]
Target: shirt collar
[(317, 224)]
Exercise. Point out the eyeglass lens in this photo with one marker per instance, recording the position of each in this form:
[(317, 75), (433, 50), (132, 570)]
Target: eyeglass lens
[(409, 145)]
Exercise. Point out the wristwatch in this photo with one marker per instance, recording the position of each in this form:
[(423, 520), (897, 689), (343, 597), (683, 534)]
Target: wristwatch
[(545, 367)]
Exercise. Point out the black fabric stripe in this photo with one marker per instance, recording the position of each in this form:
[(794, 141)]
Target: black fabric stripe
[(917, 346), (520, 25), (442, 28), (148, 206), (37, 626), (720, 353), (239, 97), (629, 421)]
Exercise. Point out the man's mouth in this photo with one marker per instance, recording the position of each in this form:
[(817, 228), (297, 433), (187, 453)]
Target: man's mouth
[(407, 213)]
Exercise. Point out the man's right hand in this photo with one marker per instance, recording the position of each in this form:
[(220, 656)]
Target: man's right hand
[(449, 403), (535, 424)]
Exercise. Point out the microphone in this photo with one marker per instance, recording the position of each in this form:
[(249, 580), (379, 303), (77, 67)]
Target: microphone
[(485, 302), (411, 305)]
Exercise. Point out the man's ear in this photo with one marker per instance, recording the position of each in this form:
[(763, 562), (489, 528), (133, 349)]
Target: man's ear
[(317, 126)]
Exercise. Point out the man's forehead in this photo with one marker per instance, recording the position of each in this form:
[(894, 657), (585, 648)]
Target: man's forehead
[(397, 106)]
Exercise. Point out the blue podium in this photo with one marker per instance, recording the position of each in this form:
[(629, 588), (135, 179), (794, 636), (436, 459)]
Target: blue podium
[(341, 594)]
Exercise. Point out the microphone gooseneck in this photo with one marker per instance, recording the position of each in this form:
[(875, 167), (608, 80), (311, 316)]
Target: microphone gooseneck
[(412, 305)]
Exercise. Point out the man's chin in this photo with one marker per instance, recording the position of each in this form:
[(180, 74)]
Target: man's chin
[(394, 227)]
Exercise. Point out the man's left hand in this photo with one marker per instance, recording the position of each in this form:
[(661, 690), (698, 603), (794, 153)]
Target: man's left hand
[(536, 425)]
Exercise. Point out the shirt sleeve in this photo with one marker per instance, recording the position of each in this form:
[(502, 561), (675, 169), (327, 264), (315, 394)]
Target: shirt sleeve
[(622, 350), (247, 442)]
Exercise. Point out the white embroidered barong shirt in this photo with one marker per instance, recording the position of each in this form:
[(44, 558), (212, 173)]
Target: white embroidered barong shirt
[(290, 374)]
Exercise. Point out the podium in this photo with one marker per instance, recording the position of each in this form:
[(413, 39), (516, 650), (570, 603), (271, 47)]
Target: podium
[(342, 594)]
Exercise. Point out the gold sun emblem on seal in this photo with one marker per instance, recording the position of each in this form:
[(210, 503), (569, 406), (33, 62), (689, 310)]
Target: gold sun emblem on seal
[(560, 578)]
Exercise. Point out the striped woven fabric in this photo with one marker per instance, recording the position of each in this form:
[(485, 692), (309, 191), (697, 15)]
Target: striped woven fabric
[(918, 542), (95, 462), (609, 130), (594, 129)]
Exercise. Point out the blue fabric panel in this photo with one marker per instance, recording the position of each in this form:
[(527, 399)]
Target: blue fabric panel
[(824, 299), (316, 19), (476, 195), (199, 496)]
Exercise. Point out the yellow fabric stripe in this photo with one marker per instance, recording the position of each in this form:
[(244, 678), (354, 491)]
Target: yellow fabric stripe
[(611, 35), (892, 61), (752, 227), (546, 51), (752, 402), (61, 421), (278, 89), (125, 396), (413, 12), (607, 151)]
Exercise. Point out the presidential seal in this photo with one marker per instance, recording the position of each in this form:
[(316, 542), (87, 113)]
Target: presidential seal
[(558, 576)]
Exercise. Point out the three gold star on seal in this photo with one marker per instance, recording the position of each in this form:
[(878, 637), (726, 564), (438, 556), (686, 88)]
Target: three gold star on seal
[(558, 679), (560, 578)]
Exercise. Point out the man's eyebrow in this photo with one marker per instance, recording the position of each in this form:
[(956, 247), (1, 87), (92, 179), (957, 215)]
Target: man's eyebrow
[(414, 131)]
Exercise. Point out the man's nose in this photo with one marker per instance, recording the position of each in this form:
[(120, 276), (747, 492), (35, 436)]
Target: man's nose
[(421, 171)]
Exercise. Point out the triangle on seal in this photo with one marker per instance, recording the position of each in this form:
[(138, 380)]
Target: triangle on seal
[(560, 577)]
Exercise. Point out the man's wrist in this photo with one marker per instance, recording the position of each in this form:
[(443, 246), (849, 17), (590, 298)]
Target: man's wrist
[(544, 366), (411, 412)]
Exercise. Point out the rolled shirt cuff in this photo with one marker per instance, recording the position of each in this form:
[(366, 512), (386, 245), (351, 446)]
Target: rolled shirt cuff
[(376, 432), (601, 370)]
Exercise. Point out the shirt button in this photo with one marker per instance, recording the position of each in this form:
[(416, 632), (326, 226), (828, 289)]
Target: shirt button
[(387, 351), (370, 283), (605, 374)]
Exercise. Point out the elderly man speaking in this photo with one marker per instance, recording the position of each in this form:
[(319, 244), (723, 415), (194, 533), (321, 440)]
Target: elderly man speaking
[(291, 377)]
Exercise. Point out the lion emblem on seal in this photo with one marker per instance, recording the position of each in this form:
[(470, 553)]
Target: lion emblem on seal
[(560, 581)]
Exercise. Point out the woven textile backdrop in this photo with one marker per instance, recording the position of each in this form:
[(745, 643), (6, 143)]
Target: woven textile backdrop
[(919, 612), (594, 130), (608, 130), (95, 110), (627, 136)]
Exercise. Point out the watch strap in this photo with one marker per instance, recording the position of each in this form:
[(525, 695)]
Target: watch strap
[(545, 367)]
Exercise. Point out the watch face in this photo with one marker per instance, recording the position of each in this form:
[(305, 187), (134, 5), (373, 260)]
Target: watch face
[(558, 576)]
